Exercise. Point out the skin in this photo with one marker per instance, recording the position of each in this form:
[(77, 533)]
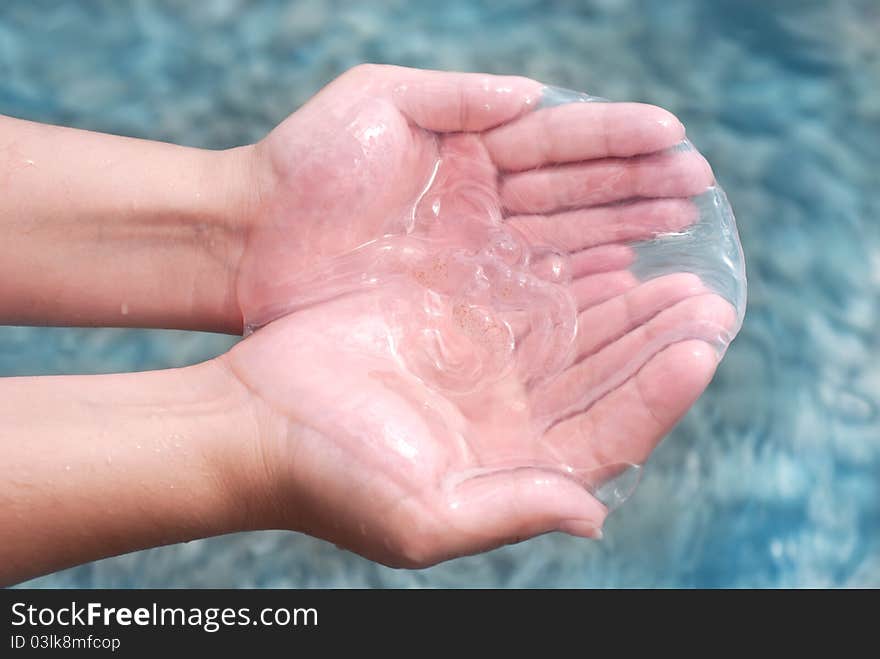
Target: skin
[(310, 424)]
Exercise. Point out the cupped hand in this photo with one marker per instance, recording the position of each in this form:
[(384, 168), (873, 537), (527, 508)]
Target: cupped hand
[(370, 453)]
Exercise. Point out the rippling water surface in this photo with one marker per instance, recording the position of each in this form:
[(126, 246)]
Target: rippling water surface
[(774, 477)]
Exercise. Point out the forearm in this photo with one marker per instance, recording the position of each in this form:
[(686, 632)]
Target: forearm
[(103, 230), (100, 465)]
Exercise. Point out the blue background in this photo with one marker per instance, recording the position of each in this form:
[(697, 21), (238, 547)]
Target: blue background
[(774, 478)]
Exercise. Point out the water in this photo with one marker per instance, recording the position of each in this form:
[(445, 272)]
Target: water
[(774, 478)]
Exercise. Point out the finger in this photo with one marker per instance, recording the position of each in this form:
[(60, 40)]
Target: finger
[(603, 258), (706, 317), (601, 287), (454, 102), (598, 182), (513, 505), (582, 131), (607, 322), (599, 274), (540, 350), (626, 424), (617, 223)]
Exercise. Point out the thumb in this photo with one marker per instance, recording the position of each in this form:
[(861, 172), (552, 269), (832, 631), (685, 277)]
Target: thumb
[(509, 506)]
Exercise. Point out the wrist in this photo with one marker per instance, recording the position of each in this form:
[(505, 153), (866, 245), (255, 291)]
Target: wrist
[(242, 456), (241, 181)]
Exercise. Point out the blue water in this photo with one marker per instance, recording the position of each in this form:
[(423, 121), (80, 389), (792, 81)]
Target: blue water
[(774, 478)]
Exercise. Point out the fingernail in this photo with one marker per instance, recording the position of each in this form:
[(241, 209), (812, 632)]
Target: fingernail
[(581, 529)]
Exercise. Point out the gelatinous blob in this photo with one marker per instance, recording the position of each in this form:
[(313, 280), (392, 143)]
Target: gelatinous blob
[(565, 283)]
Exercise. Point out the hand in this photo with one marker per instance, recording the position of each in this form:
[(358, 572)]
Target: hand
[(374, 459)]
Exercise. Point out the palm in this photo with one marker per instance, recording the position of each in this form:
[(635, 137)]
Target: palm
[(346, 167), (438, 466)]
